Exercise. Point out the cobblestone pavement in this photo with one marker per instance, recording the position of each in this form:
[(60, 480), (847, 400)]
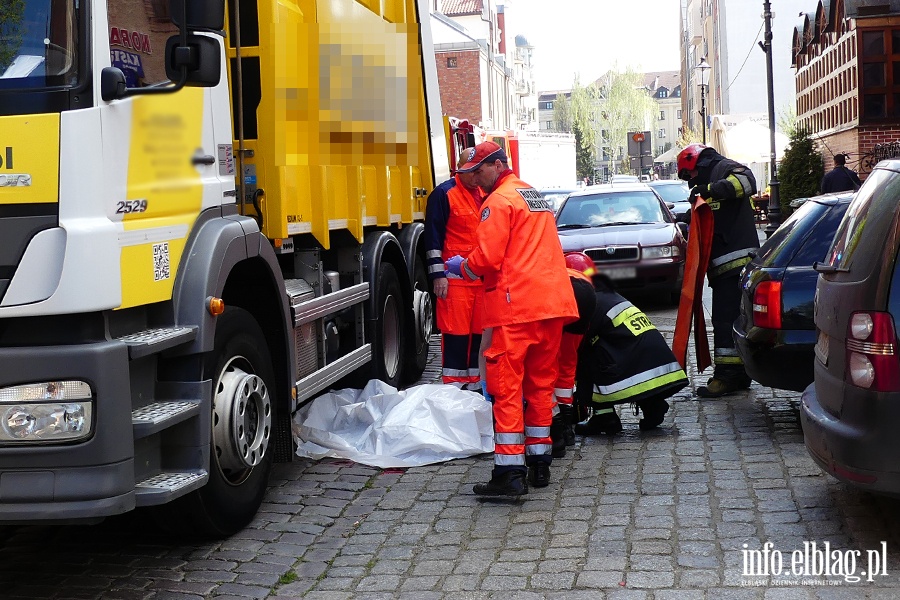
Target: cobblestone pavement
[(658, 515)]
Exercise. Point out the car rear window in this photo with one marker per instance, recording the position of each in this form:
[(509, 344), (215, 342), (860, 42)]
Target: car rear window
[(866, 223), (672, 193), (787, 240)]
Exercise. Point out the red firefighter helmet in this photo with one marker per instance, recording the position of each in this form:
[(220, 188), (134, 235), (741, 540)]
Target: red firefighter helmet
[(687, 160), (579, 261)]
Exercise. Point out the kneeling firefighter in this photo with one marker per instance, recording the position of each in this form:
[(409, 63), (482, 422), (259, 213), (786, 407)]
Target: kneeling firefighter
[(623, 359)]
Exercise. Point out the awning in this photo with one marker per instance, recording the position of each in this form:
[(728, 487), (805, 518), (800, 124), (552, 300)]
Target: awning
[(670, 155)]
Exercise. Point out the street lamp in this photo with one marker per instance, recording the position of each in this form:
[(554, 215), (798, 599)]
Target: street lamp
[(704, 69), (773, 215)]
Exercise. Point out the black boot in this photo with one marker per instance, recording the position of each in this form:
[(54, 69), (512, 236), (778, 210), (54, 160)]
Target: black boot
[(607, 423), (720, 386), (654, 413), (557, 436), (509, 483), (567, 411), (539, 474)]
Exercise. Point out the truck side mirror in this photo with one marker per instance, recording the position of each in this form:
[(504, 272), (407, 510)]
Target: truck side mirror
[(200, 56), (201, 14), (112, 84)]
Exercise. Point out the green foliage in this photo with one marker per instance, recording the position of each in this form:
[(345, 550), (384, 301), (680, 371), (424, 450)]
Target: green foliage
[(625, 106), (562, 114), (584, 156), (787, 120), (287, 578), (11, 14), (801, 170)]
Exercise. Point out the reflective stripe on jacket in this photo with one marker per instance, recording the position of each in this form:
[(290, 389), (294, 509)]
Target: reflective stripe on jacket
[(734, 231), (452, 215), (623, 357)]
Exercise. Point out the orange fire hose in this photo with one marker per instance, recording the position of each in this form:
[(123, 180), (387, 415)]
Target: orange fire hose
[(691, 304)]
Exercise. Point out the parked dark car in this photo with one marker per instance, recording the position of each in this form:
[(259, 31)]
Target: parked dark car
[(851, 411), (674, 192), (775, 333), (629, 233)]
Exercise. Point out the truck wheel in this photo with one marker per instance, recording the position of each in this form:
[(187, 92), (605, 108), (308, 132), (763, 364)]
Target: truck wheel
[(241, 447), (423, 323), (388, 336)]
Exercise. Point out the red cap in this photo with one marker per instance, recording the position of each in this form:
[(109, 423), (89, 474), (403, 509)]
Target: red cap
[(483, 152)]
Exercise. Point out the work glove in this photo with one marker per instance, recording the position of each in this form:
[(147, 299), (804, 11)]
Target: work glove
[(701, 190), (454, 267)]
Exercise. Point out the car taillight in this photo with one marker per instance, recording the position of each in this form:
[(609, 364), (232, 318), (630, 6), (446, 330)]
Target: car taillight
[(767, 305), (872, 361)]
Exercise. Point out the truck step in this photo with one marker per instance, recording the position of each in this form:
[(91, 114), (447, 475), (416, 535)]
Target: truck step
[(152, 341), (155, 417), (167, 486)]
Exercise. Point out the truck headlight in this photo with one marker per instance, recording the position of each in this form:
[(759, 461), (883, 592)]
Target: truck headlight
[(50, 411), (661, 252)]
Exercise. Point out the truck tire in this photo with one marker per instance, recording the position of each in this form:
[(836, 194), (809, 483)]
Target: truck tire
[(388, 327), (423, 323), (241, 444)]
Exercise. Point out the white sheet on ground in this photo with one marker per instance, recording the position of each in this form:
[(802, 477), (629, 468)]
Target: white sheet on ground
[(383, 427)]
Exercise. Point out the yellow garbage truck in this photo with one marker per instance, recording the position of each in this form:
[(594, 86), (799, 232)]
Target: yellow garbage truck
[(210, 212)]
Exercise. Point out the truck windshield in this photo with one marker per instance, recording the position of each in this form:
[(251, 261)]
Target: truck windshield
[(38, 43)]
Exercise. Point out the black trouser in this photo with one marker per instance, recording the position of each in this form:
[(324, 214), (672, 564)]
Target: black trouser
[(726, 306)]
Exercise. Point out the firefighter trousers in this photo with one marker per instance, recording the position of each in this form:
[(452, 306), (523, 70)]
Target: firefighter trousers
[(726, 306), (460, 318), (521, 368)]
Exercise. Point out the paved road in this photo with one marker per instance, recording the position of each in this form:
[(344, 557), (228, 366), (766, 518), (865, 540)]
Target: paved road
[(659, 515)]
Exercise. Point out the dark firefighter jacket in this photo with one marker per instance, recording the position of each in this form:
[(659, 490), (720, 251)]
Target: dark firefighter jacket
[(734, 232), (623, 357)]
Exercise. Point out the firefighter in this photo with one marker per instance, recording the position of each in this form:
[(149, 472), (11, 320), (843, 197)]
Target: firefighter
[(452, 215), (623, 359), (581, 269), (727, 187), (527, 300)]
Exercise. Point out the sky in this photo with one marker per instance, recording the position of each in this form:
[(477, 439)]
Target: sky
[(588, 37)]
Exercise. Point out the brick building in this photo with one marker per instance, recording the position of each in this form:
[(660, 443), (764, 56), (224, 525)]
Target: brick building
[(847, 59)]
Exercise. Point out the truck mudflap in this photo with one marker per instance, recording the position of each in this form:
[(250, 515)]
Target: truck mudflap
[(81, 479)]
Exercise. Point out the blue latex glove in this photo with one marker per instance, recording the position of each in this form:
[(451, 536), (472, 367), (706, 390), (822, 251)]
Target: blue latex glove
[(484, 392), (454, 265)]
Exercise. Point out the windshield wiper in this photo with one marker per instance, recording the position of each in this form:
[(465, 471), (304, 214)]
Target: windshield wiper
[(619, 223), (573, 226)]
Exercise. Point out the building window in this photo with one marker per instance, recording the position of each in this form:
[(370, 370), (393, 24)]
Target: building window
[(661, 133), (663, 93), (678, 114), (662, 115), (879, 58), (451, 62), (546, 105), (549, 125)]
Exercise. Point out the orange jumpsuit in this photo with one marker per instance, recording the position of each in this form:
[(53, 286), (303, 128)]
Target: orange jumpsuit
[(568, 356), (452, 215), (527, 300)]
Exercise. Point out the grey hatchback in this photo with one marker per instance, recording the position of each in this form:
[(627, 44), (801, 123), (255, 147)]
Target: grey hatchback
[(850, 412)]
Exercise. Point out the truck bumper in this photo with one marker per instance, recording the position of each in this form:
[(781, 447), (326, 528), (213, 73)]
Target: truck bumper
[(75, 480)]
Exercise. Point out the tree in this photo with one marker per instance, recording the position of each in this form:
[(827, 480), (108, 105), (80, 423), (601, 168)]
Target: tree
[(801, 170), (583, 110), (625, 106), (11, 14), (562, 114), (688, 137), (787, 120)]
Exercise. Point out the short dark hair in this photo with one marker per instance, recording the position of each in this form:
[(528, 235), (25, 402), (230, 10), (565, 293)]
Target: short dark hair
[(840, 159)]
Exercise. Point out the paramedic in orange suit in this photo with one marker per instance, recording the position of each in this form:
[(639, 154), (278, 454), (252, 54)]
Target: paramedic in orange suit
[(452, 215), (527, 300)]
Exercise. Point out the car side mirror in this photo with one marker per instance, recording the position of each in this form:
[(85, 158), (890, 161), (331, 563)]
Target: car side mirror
[(670, 205)]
